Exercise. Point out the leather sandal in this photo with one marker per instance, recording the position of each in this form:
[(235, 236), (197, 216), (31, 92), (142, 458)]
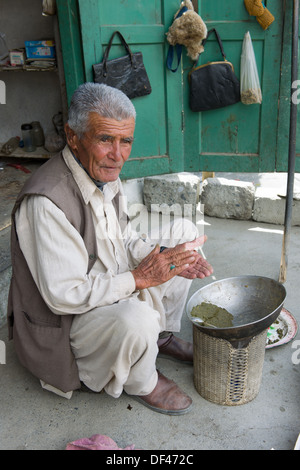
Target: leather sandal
[(166, 398), (176, 349)]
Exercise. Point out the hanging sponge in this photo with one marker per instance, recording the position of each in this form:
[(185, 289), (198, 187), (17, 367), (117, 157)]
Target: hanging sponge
[(258, 9)]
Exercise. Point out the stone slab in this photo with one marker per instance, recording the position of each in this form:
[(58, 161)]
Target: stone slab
[(173, 193), (269, 207), (228, 199)]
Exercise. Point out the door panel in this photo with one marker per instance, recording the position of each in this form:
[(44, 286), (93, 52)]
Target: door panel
[(139, 12)]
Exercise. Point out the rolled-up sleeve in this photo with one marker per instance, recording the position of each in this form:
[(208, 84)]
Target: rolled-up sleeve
[(57, 258)]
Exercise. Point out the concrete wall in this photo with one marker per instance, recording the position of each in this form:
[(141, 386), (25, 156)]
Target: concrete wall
[(30, 96)]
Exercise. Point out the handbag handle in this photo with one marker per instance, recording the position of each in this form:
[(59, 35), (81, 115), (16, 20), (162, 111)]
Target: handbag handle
[(107, 51), (218, 39)]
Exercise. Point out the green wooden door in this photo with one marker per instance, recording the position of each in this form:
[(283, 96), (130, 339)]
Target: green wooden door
[(158, 145), (169, 136), (238, 138)]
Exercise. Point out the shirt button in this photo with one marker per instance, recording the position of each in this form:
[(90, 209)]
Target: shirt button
[(92, 256)]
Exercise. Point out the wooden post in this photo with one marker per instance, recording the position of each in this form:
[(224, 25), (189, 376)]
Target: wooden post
[(207, 174)]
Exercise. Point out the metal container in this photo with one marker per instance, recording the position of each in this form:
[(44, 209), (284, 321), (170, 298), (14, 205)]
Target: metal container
[(254, 301), (228, 362)]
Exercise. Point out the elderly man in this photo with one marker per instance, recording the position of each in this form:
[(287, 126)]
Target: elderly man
[(90, 301)]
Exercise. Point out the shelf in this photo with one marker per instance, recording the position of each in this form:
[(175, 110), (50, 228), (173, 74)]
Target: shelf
[(39, 153), (27, 68)]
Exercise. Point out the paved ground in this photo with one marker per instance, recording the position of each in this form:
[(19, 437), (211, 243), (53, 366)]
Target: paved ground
[(35, 419)]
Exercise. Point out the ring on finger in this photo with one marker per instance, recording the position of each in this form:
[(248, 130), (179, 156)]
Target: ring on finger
[(172, 267)]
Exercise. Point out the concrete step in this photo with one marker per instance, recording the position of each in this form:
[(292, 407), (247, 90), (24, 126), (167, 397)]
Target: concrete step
[(232, 199), (247, 196)]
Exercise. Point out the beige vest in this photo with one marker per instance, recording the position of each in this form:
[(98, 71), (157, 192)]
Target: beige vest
[(41, 337)]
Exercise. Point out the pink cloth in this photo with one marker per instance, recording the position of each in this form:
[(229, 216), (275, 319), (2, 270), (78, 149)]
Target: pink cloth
[(96, 442)]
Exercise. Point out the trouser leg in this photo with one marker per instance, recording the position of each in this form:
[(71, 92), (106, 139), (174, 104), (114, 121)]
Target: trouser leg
[(116, 347)]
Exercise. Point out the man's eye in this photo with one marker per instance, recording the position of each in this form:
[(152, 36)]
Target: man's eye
[(128, 141), (105, 138)]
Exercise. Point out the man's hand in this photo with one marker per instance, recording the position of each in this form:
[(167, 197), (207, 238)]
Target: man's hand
[(199, 269), (182, 260)]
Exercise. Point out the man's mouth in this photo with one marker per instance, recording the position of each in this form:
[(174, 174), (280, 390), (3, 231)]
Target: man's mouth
[(111, 167)]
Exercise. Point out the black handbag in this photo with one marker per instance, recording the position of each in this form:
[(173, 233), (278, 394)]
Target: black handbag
[(213, 85), (126, 73)]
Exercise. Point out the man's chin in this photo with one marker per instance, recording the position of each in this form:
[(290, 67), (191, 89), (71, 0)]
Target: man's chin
[(109, 175)]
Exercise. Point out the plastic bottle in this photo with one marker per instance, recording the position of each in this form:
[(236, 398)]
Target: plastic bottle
[(28, 139), (38, 134), (10, 145)]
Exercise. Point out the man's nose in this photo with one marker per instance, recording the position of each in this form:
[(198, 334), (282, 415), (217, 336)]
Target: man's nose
[(115, 152)]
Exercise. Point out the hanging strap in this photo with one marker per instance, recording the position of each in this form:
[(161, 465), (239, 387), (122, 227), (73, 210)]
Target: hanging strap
[(170, 55), (218, 39), (107, 50)]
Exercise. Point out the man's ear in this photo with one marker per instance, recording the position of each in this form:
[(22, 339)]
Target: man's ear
[(72, 138)]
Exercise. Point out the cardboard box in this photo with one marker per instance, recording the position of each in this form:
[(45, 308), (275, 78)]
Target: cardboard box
[(40, 49), (17, 57)]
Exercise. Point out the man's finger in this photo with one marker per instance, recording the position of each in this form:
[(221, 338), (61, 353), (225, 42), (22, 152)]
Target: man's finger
[(179, 252), (195, 243), (181, 258), (188, 246)]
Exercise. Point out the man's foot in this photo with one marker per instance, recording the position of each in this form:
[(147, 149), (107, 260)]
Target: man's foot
[(176, 348), (166, 398)]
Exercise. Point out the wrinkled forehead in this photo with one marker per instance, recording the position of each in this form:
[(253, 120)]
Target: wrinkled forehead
[(99, 124)]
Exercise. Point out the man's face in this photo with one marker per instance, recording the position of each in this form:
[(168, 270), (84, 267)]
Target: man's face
[(105, 147)]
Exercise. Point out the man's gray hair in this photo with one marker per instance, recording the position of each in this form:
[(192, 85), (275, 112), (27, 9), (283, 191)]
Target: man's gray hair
[(104, 100)]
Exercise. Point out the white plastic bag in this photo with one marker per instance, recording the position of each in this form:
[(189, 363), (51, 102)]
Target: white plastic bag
[(250, 86)]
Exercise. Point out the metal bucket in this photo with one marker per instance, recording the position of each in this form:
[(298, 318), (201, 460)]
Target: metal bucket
[(228, 362)]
